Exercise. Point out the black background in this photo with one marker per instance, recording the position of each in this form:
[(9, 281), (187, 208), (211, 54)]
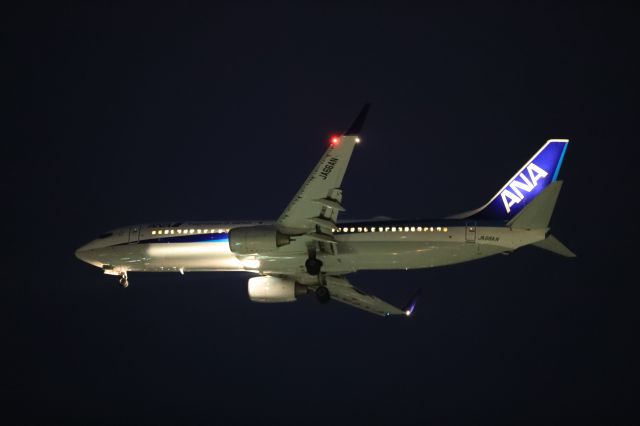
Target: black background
[(120, 114)]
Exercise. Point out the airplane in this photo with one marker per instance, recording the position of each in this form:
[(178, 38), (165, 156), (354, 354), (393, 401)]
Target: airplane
[(308, 250)]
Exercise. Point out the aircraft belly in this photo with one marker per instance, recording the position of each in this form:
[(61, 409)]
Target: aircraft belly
[(380, 255), (409, 255)]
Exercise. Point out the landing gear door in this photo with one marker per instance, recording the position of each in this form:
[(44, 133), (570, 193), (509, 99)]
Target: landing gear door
[(470, 232), (134, 234)]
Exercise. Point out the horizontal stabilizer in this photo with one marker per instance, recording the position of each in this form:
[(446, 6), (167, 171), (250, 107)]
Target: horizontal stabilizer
[(342, 291), (537, 214), (552, 244)]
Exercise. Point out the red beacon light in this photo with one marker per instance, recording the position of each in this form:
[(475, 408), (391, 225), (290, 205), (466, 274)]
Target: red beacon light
[(334, 140)]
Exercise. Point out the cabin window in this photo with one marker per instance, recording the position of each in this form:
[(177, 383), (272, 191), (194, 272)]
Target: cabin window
[(353, 229), (419, 228), (445, 229)]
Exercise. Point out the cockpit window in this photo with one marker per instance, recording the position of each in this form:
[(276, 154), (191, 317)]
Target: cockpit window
[(105, 235)]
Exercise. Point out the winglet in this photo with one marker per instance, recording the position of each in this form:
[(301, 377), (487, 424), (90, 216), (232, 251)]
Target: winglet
[(410, 306), (357, 124)]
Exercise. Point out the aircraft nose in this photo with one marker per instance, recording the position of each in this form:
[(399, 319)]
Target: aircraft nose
[(84, 253)]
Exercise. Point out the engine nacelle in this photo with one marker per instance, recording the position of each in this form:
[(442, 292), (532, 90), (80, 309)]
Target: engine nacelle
[(256, 239), (273, 290)]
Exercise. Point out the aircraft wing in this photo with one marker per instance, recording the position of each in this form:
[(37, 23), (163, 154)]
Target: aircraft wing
[(342, 291), (315, 207)]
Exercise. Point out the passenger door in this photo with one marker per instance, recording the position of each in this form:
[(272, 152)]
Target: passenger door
[(134, 234), (470, 232)]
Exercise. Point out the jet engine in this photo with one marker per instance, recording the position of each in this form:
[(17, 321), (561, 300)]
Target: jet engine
[(273, 290), (256, 239)]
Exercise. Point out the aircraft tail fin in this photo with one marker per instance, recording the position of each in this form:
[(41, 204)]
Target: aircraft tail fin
[(552, 244), (537, 214), (525, 186)]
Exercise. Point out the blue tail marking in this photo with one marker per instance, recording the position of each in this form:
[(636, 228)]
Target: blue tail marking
[(527, 183)]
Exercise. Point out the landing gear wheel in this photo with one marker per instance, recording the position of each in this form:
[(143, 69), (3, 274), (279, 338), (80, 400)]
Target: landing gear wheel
[(313, 266), (323, 295), (124, 280)]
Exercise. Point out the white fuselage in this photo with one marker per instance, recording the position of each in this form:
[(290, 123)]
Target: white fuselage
[(187, 247)]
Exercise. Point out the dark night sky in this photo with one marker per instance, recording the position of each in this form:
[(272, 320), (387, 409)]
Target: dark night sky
[(127, 114)]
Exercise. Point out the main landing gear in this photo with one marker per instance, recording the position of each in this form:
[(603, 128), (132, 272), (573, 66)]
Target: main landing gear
[(312, 264), (124, 280), (323, 295)]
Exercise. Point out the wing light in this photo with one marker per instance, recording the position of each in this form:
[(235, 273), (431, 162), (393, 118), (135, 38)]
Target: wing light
[(411, 304), (334, 140)]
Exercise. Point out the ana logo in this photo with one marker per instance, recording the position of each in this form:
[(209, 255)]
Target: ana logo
[(512, 194)]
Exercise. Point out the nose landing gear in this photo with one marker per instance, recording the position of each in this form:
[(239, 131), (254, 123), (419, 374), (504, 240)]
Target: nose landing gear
[(124, 280)]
